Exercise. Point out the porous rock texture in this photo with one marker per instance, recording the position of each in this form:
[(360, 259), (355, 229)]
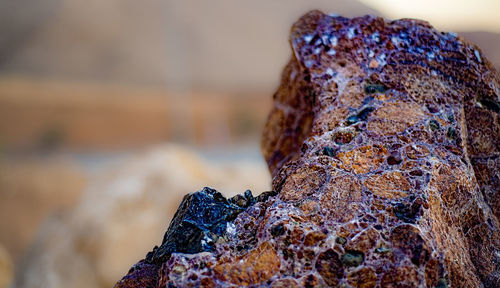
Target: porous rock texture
[(384, 147)]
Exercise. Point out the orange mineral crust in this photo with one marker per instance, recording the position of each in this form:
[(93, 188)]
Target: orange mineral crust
[(384, 146)]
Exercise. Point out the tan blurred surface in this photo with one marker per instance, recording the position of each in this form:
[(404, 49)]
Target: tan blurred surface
[(6, 268), (80, 116), (31, 189), (124, 212)]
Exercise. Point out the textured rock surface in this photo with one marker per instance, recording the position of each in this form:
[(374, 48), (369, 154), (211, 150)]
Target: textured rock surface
[(383, 143)]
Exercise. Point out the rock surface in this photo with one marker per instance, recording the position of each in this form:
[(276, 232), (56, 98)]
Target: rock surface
[(383, 143)]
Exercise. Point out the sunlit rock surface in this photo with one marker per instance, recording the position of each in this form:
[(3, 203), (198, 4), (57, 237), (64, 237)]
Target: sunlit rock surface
[(383, 143)]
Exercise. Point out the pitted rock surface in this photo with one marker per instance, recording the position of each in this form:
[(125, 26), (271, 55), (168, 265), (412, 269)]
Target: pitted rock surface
[(384, 146)]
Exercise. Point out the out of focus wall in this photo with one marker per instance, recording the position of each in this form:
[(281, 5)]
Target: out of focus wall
[(190, 44), (166, 62), (123, 73)]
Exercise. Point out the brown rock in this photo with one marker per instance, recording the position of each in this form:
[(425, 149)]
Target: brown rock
[(362, 278), (312, 238), (372, 145), (363, 159), (417, 151), (391, 185), (257, 266), (307, 180), (329, 267), (364, 241), (285, 283), (395, 117)]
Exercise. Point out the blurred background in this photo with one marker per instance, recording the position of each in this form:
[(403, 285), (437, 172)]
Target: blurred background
[(111, 111)]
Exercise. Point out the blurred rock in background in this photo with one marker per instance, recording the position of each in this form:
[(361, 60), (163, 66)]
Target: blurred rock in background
[(31, 189), (124, 212), (6, 268)]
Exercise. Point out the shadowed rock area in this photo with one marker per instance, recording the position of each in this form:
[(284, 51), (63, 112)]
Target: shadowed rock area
[(383, 143)]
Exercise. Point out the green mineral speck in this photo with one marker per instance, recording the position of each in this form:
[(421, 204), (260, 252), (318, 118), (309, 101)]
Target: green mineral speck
[(353, 258), (434, 125), (328, 151), (340, 240), (442, 283), (452, 133), (451, 118), (374, 88)]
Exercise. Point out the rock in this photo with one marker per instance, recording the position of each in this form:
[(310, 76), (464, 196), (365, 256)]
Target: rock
[(123, 212), (201, 219), (50, 184), (370, 191)]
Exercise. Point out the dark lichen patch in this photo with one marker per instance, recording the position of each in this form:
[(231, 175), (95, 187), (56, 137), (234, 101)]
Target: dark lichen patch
[(310, 281), (353, 258), (416, 172), (329, 151), (394, 158), (442, 283), (340, 240), (374, 88), (199, 222), (432, 109), (490, 105), (363, 114), (360, 116), (452, 133), (278, 230), (434, 125), (450, 118), (368, 100), (353, 119), (288, 254), (407, 213)]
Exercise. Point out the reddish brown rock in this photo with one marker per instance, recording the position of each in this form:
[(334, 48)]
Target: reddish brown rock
[(362, 278), (363, 159), (257, 266), (383, 142), (390, 185)]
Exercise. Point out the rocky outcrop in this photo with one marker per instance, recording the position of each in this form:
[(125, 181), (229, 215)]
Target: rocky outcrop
[(383, 143)]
